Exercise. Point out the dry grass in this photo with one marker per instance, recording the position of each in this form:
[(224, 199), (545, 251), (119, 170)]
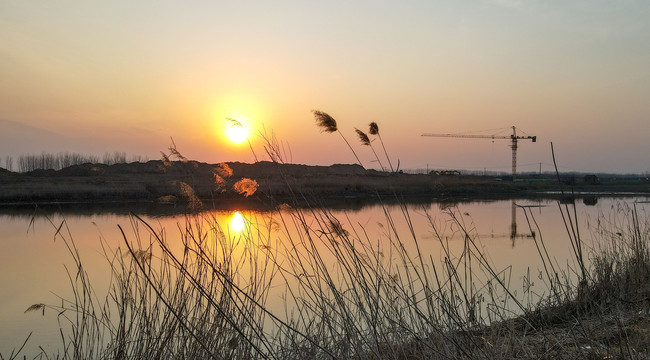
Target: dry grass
[(347, 295), (204, 293)]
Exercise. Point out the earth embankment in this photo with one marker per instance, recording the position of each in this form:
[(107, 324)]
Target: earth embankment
[(156, 181)]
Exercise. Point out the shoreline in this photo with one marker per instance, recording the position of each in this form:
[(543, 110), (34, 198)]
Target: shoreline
[(152, 182)]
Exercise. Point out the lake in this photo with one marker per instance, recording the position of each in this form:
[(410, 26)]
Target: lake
[(37, 264)]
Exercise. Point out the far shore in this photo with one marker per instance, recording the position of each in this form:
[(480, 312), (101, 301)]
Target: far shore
[(336, 185)]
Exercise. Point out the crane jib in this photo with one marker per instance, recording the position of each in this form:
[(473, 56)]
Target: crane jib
[(512, 138)]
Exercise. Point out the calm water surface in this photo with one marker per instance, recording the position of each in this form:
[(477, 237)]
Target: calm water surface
[(35, 263)]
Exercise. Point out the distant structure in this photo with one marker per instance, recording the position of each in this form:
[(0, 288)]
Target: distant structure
[(513, 138)]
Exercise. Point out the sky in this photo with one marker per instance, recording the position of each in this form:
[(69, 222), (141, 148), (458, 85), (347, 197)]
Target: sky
[(91, 76)]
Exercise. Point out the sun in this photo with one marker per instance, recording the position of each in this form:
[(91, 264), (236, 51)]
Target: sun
[(236, 132)]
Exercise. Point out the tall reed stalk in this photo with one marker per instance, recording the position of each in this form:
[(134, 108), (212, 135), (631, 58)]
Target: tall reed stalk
[(365, 140), (328, 124), (206, 292), (374, 130)]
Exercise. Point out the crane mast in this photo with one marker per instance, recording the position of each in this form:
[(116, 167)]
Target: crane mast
[(513, 145)]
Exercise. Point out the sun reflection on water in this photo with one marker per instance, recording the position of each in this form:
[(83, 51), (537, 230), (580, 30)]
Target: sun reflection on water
[(237, 222)]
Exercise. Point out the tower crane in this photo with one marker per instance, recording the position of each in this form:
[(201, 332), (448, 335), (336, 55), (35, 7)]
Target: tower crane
[(513, 145)]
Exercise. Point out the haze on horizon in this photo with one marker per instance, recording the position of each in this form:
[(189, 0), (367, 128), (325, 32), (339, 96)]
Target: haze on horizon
[(118, 75)]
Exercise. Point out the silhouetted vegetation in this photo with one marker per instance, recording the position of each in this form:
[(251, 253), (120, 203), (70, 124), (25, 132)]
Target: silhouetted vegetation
[(204, 293), (58, 161)]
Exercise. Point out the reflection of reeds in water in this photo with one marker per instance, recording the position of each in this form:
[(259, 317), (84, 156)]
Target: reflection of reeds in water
[(237, 222), (346, 295)]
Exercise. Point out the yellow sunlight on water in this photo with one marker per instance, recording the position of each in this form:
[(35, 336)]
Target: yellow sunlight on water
[(237, 222)]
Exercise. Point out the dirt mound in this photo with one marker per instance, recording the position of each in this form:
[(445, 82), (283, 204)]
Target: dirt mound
[(87, 169), (5, 172), (267, 169), (150, 167)]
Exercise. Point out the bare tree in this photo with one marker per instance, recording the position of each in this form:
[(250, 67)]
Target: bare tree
[(9, 163)]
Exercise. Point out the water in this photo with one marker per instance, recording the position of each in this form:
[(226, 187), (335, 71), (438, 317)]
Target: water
[(37, 265)]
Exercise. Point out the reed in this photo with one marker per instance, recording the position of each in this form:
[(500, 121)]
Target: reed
[(365, 140), (204, 292), (328, 125), (373, 129)]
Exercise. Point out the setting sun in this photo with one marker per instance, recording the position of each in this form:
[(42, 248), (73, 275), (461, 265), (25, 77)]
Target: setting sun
[(236, 132)]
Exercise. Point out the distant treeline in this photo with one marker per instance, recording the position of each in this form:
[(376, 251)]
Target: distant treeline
[(25, 163)]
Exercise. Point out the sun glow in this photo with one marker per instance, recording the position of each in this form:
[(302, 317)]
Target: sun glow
[(236, 131)]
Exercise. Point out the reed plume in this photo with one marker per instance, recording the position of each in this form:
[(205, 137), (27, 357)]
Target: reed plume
[(165, 159), (221, 172), (374, 130), (328, 124), (365, 140), (188, 193), (220, 182), (246, 187), (36, 307), (174, 152), (234, 122)]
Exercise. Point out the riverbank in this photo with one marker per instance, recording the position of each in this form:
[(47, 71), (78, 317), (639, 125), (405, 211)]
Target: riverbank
[(370, 296), (155, 181)]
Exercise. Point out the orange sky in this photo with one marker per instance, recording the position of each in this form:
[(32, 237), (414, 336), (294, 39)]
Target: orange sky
[(127, 76)]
